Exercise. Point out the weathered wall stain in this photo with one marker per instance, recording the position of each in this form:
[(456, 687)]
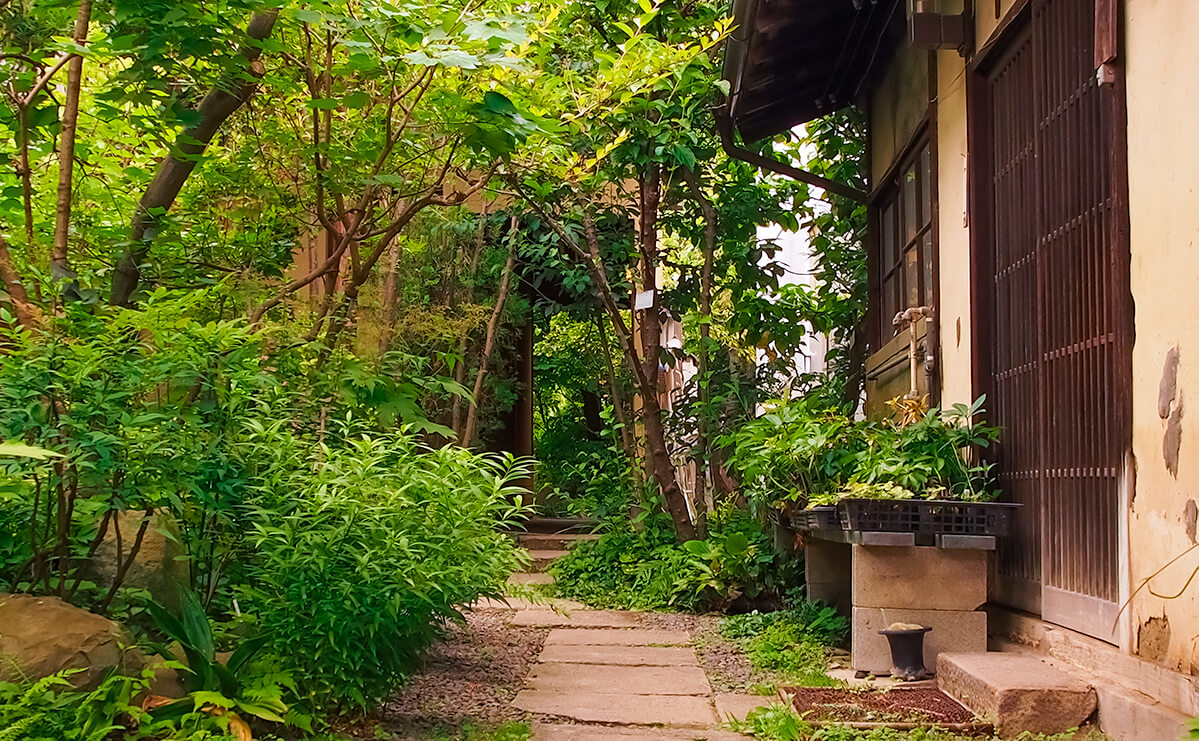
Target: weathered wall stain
[(1190, 517), (1153, 639), (1172, 440), (1169, 383)]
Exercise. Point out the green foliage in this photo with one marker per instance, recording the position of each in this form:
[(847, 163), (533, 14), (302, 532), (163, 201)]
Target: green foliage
[(625, 570), (649, 570), (807, 452), (786, 649), (359, 556), (814, 620), (50, 709)]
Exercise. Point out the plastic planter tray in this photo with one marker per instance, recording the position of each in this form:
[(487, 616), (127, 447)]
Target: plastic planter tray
[(930, 516), (816, 518)]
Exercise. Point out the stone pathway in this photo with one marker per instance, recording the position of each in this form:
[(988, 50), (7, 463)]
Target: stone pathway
[(603, 675)]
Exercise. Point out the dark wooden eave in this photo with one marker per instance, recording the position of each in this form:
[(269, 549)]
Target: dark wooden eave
[(791, 61)]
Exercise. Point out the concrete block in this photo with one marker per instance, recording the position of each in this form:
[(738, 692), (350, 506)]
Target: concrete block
[(919, 578), (828, 570), (953, 631), (1017, 693)]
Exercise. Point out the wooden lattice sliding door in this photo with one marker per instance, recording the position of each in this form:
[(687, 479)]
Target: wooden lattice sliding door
[(1052, 274)]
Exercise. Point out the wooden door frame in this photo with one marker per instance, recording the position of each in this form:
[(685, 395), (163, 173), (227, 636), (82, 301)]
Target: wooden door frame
[(979, 136)]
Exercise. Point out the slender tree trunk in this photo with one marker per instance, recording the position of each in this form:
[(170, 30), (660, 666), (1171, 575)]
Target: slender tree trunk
[(456, 419), (651, 343), (388, 313), (628, 439), (60, 266), (472, 413), (703, 501), (217, 106), (25, 312)]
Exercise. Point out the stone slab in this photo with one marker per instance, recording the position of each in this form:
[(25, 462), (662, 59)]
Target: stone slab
[(578, 618), (552, 732), (604, 679), (1018, 693), (588, 707), (952, 632), (919, 578), (1128, 715), (739, 706), (620, 655), (617, 637), (531, 579)]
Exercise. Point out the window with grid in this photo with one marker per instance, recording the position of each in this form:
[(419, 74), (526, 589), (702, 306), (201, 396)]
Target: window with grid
[(906, 256)]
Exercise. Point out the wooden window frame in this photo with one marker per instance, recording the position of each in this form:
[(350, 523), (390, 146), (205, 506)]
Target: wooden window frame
[(889, 194)]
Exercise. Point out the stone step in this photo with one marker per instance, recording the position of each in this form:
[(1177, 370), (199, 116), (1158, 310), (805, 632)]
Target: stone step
[(548, 618), (619, 655), (527, 579), (617, 637), (553, 525), (686, 711), (553, 542), (601, 680), (542, 560), (580, 732), (1016, 692)]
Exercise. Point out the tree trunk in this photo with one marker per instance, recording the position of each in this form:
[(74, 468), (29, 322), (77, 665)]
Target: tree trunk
[(26, 315), (472, 413), (217, 106), (651, 343), (60, 266), (388, 311), (628, 440), (703, 503), (464, 343)]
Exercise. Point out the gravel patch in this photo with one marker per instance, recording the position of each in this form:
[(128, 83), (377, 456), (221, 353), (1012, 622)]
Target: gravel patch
[(468, 680)]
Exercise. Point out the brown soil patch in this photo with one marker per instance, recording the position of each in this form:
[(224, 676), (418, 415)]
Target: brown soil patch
[(915, 705)]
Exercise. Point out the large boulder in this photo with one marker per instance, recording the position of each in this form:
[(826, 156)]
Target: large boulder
[(43, 635), (161, 562)]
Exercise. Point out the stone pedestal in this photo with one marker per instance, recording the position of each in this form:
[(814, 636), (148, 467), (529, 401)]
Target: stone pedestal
[(940, 588), (828, 571)]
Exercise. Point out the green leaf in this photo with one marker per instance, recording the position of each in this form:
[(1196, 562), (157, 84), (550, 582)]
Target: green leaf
[(21, 450)]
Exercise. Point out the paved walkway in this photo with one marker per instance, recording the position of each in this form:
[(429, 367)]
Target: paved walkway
[(603, 676)]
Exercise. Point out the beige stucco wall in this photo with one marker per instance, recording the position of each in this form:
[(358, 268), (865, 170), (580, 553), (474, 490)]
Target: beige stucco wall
[(953, 233), (1163, 110), (1163, 160)]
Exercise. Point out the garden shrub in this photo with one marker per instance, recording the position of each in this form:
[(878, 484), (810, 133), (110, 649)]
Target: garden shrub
[(362, 553), (649, 570)]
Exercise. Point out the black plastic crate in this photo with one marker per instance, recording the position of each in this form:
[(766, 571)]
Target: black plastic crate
[(933, 517), (816, 518), (967, 518), (880, 515)]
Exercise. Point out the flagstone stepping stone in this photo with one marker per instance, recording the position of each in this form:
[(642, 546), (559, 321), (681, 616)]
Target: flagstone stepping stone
[(560, 732), (620, 655), (739, 706), (586, 706), (531, 579), (583, 618), (617, 637), (602, 679), (521, 603)]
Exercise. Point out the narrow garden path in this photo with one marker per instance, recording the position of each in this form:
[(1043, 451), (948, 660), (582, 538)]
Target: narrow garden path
[(604, 674)]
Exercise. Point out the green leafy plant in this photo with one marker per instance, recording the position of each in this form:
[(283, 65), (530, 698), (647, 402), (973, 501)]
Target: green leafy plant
[(809, 453), (816, 620), (361, 555), (210, 681)]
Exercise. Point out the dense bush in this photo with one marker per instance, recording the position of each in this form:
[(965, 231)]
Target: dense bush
[(361, 554), (735, 567), (808, 452)]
